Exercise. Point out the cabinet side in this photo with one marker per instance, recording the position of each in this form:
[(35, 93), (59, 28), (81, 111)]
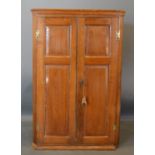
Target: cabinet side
[(119, 75), (34, 24)]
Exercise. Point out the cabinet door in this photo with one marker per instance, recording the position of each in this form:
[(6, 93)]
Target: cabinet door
[(96, 82), (56, 85)]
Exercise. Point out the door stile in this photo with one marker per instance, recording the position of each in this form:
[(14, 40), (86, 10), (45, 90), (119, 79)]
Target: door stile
[(73, 72), (80, 77)]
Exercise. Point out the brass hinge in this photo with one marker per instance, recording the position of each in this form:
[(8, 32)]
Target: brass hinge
[(114, 127), (37, 34), (118, 35)]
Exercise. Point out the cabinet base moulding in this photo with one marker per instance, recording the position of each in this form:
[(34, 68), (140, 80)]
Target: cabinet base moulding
[(73, 147)]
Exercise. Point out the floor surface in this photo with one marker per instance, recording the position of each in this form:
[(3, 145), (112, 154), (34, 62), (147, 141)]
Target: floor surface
[(125, 147)]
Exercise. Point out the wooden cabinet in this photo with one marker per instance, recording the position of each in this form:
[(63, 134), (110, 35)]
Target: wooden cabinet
[(76, 78)]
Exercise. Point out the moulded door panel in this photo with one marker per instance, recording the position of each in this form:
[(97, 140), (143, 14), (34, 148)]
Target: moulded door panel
[(96, 80), (58, 68)]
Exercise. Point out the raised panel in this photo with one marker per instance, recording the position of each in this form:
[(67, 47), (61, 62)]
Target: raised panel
[(57, 40), (96, 91), (97, 40), (57, 100)]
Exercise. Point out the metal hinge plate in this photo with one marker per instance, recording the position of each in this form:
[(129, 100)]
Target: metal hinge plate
[(114, 127), (37, 34), (118, 35)]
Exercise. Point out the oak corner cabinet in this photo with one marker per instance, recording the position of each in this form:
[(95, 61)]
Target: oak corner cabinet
[(76, 78)]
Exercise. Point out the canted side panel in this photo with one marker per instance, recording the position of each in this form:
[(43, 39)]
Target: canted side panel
[(57, 40), (96, 112), (97, 40), (57, 100)]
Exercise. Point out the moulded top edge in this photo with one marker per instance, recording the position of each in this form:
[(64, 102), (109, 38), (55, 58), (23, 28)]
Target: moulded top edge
[(77, 11)]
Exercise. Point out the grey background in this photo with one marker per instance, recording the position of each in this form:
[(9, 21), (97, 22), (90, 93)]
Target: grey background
[(127, 97)]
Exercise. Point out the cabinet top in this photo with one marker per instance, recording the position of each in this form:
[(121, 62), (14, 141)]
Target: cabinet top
[(77, 12)]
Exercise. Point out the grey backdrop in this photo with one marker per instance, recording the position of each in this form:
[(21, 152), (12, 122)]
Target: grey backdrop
[(127, 98)]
